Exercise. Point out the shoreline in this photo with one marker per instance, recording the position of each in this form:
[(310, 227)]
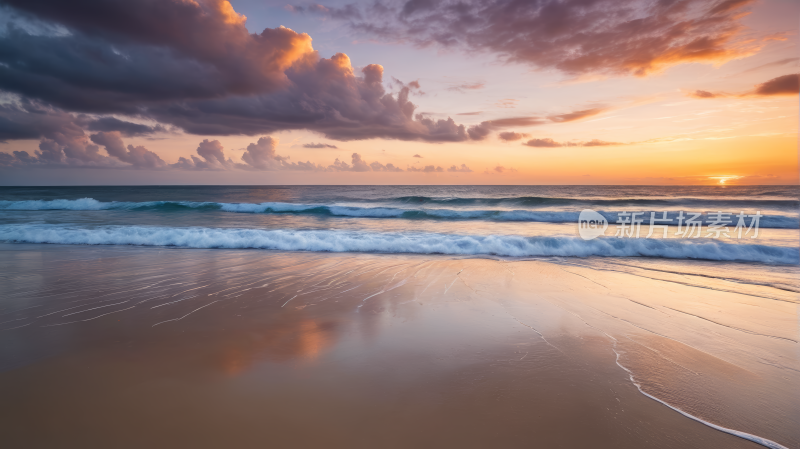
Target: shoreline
[(380, 327)]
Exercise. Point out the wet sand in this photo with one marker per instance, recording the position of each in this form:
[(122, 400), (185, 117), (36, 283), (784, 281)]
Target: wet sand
[(142, 347)]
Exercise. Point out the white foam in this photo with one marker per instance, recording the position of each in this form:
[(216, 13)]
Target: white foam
[(420, 243), (89, 204)]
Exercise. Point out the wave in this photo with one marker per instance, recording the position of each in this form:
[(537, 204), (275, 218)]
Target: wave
[(558, 201), (417, 243), (89, 204)]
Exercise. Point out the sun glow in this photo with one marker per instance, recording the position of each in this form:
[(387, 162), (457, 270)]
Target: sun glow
[(724, 179)]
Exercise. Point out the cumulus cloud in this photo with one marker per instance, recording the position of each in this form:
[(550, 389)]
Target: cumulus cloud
[(212, 157), (319, 145), (194, 65), (618, 37), (138, 157)]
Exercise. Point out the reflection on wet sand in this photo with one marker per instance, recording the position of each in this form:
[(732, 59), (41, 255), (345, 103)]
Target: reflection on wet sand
[(291, 338), (211, 348)]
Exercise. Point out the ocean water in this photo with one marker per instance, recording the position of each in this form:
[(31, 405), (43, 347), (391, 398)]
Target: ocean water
[(518, 221), (482, 221)]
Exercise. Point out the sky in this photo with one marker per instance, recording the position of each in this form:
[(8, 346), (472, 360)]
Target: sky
[(655, 92)]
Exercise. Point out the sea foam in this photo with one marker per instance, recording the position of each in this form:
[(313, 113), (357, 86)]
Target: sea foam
[(526, 215), (417, 243)]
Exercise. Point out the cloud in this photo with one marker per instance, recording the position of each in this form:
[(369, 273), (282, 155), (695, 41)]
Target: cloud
[(480, 131), (600, 143), (138, 157), (466, 86), (550, 143), (577, 115), (705, 94), (194, 65), (543, 143), (778, 63), (577, 37), (470, 113), (377, 166), (462, 169), (359, 165), (500, 170), (510, 136), (212, 157), (427, 169), (506, 103), (125, 128), (417, 155), (319, 145), (782, 85)]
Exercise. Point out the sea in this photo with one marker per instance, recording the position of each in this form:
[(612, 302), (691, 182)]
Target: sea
[(504, 221), (467, 221), (703, 323)]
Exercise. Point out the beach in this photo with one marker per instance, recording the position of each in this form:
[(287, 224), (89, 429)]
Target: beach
[(126, 346)]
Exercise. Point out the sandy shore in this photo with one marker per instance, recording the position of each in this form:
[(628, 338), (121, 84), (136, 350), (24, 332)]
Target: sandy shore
[(144, 347)]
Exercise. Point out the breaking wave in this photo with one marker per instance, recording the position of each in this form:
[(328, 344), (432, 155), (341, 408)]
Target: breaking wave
[(418, 243), (89, 204)]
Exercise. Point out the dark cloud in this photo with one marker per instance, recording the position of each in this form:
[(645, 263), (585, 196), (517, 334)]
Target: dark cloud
[(326, 97), (125, 128), (417, 155), (510, 136), (194, 65), (574, 36), (32, 120), (319, 145), (782, 85)]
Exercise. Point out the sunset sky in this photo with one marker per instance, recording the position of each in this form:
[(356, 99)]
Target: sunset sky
[(399, 92)]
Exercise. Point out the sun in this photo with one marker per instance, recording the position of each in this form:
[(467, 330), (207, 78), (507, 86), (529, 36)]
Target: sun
[(721, 180)]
